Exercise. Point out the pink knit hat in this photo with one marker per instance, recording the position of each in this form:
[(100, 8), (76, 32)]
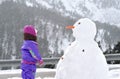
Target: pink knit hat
[(30, 30)]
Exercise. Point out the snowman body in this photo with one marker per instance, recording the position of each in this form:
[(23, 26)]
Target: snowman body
[(83, 59)]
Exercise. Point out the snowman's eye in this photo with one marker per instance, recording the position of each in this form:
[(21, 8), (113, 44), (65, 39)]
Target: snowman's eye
[(79, 23)]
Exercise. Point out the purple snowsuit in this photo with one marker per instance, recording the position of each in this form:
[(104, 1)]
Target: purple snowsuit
[(30, 56)]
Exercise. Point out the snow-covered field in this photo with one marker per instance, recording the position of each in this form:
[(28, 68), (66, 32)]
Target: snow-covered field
[(36, 78), (42, 73), (114, 73)]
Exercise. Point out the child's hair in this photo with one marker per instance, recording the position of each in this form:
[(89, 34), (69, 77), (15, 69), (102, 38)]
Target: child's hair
[(30, 37), (30, 33)]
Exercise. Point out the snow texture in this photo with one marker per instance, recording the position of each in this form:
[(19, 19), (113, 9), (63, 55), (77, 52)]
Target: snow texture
[(114, 73), (83, 59)]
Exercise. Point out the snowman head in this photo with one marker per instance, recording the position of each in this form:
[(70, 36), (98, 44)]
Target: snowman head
[(83, 29)]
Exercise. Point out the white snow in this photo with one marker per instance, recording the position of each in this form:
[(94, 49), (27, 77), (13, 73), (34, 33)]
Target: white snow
[(112, 16), (100, 34), (29, 4), (114, 73), (18, 72), (15, 78), (68, 5), (104, 15), (35, 78), (43, 3), (88, 8), (83, 55)]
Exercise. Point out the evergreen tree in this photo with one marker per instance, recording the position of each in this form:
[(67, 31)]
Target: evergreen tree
[(116, 49)]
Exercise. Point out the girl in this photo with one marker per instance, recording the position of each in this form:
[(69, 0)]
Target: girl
[(30, 53)]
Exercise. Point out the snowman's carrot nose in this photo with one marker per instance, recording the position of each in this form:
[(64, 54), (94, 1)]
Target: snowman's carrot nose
[(70, 27)]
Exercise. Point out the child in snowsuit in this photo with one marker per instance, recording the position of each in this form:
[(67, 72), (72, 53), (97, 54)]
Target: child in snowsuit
[(30, 53)]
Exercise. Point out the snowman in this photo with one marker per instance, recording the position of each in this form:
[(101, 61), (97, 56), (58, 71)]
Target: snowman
[(83, 59)]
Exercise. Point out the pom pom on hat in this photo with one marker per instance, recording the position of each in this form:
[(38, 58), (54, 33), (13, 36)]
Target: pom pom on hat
[(30, 30)]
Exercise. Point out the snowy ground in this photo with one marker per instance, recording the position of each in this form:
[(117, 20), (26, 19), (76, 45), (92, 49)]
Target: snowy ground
[(36, 78), (42, 73), (114, 73)]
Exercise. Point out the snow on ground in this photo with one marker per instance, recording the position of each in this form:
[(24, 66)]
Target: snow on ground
[(36, 78), (114, 72), (42, 73)]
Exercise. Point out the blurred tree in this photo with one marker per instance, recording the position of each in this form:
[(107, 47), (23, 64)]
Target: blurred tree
[(116, 49)]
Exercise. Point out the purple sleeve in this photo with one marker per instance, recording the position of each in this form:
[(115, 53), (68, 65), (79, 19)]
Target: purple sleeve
[(33, 48)]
